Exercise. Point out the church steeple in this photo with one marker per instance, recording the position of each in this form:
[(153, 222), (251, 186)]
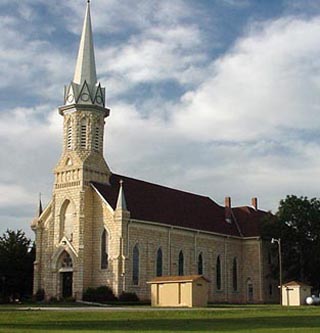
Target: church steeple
[(84, 114), (86, 66), (85, 89)]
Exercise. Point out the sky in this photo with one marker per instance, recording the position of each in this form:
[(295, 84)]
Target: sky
[(216, 97)]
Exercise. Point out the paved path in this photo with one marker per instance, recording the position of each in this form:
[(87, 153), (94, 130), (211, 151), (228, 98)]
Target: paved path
[(122, 308)]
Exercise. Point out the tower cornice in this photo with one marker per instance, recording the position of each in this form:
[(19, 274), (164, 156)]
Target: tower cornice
[(65, 109)]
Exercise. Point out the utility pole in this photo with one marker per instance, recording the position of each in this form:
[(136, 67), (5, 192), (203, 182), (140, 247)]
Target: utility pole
[(278, 241)]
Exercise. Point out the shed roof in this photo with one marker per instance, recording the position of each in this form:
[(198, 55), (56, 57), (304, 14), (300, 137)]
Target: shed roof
[(176, 278), (295, 284)]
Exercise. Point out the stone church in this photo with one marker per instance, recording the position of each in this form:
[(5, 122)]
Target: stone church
[(101, 228)]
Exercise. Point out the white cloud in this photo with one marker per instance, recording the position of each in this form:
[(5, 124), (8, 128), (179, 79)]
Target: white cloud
[(29, 150), (158, 55), (114, 16), (266, 84), (31, 67), (168, 47), (12, 194)]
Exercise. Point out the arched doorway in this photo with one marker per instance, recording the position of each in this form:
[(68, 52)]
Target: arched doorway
[(66, 275)]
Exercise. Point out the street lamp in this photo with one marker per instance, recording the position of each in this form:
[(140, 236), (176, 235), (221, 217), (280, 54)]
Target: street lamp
[(278, 241)]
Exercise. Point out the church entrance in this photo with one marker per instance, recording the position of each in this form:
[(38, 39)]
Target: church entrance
[(66, 284), (66, 275)]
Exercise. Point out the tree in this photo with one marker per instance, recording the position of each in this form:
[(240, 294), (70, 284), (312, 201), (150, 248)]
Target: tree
[(16, 264), (297, 223)]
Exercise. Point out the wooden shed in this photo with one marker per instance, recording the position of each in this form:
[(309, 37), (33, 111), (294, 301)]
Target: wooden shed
[(179, 291), (295, 293)]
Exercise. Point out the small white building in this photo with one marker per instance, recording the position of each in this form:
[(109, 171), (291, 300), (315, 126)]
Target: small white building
[(294, 293)]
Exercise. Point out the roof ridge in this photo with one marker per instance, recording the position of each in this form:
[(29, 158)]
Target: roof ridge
[(165, 187), (250, 208)]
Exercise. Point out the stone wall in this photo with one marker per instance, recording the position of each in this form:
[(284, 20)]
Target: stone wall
[(247, 253), (94, 215)]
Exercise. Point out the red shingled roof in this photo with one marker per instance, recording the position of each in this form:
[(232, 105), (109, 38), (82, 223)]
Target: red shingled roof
[(155, 203), (249, 220)]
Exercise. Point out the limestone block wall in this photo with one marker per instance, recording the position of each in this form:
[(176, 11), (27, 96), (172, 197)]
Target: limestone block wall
[(150, 237), (252, 271), (103, 218), (93, 215), (86, 238)]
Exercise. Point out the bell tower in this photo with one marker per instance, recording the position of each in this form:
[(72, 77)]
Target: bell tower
[(83, 112), (66, 231), (81, 162)]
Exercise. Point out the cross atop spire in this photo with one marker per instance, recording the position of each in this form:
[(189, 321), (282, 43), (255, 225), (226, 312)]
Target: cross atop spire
[(86, 66)]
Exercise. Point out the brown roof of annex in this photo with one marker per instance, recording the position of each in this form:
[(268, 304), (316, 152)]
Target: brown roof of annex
[(155, 203)]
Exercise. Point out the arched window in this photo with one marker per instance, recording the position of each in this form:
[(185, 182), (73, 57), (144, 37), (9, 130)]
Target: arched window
[(235, 274), (200, 264), (249, 291), (83, 133), (65, 261), (96, 141), (69, 161), (69, 135), (159, 262), (104, 249), (67, 219), (135, 265), (181, 264), (218, 273)]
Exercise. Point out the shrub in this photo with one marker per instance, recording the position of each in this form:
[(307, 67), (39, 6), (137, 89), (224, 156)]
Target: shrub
[(89, 295), (69, 299), (128, 297), (4, 299), (101, 294), (53, 300)]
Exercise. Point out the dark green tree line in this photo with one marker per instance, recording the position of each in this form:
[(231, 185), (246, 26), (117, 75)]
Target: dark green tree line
[(16, 265), (297, 223)]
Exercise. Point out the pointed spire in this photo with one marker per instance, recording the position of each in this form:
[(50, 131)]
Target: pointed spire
[(121, 202), (40, 205), (85, 89), (86, 66)]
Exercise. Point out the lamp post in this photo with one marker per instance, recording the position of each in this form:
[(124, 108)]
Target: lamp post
[(278, 241)]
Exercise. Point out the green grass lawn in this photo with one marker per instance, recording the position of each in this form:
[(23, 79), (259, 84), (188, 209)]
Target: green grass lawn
[(220, 319)]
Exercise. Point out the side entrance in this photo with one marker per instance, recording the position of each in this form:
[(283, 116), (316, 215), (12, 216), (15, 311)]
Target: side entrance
[(66, 279)]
